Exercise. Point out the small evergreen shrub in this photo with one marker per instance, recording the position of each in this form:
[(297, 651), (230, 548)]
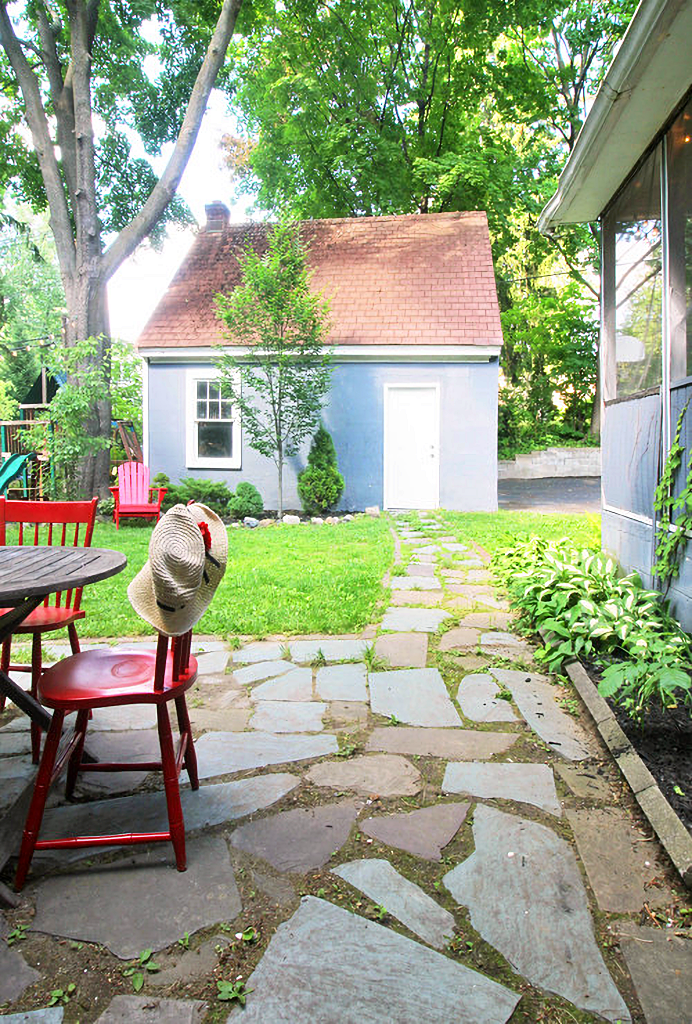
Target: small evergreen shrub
[(247, 501), (215, 494), (320, 485)]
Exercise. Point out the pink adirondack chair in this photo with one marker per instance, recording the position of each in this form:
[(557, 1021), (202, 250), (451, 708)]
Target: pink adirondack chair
[(134, 498)]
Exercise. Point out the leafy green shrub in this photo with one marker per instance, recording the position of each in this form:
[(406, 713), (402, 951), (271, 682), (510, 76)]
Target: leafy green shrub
[(320, 485), (247, 501), (106, 507), (212, 493), (587, 610)]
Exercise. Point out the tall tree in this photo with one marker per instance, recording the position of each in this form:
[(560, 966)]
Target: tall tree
[(77, 72), (280, 380)]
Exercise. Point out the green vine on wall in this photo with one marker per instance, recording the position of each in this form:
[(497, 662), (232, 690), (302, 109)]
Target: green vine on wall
[(671, 543)]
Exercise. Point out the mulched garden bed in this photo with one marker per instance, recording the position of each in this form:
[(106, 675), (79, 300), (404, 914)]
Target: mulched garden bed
[(663, 740)]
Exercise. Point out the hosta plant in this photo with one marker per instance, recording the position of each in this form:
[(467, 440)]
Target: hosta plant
[(586, 609)]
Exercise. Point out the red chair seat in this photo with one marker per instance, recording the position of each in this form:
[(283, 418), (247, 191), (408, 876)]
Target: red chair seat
[(104, 678), (44, 619), (140, 510)]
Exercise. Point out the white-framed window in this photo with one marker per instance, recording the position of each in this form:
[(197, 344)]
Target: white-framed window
[(213, 424)]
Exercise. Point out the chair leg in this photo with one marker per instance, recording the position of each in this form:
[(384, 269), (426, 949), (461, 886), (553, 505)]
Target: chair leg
[(190, 760), (170, 781), (5, 664), (38, 801), (73, 638), (75, 762), (36, 666)]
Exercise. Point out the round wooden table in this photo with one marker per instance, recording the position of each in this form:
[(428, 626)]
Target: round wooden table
[(27, 576)]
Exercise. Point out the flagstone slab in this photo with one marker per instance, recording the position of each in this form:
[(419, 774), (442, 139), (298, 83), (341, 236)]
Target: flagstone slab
[(261, 650), (586, 783), (137, 745), (427, 549), (403, 650), (661, 969), (526, 898), (505, 645), (415, 583), (451, 744), (424, 832), (378, 774), (47, 1015), (212, 662), (428, 598), (401, 898), (122, 718), (620, 867), (423, 559), (418, 569), (488, 620), (222, 753), (140, 901), (472, 590), (15, 742), (298, 840), (418, 620), (374, 974), (288, 716), (479, 576), (455, 546), (208, 806), (526, 783), (346, 649), (261, 670), (15, 974), (149, 1010), (342, 682), (295, 685), (231, 720), (16, 773), (478, 700), (346, 712), (417, 696), (535, 698), (461, 638)]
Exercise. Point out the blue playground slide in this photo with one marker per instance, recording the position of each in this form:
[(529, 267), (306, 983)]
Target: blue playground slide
[(13, 467)]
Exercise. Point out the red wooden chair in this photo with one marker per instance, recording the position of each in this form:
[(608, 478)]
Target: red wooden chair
[(65, 523), (101, 679), (134, 497)]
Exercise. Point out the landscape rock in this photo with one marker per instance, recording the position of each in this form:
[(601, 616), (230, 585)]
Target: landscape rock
[(251, 522), (372, 510), (290, 520)]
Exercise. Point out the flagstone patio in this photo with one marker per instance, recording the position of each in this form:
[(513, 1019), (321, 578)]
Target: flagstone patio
[(405, 826)]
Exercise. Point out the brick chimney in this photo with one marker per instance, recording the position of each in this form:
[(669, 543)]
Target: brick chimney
[(217, 216)]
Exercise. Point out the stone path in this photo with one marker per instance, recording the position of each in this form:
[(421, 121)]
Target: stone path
[(406, 825)]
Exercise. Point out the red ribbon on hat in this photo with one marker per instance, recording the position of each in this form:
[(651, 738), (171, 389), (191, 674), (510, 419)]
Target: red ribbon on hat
[(206, 535)]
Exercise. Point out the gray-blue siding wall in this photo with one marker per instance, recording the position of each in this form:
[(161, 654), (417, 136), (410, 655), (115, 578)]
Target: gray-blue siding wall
[(354, 416), (630, 446)]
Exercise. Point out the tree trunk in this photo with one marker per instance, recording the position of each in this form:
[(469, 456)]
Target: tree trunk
[(280, 500), (595, 425)]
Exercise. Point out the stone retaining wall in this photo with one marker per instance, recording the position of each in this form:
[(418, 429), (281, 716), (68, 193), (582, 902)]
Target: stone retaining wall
[(551, 462)]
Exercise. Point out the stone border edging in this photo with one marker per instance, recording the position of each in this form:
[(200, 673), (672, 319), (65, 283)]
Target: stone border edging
[(672, 834)]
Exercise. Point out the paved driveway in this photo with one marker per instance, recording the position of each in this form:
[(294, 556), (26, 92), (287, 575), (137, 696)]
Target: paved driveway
[(551, 494)]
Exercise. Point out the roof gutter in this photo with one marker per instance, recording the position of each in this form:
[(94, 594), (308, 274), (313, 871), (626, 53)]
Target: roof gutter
[(649, 24)]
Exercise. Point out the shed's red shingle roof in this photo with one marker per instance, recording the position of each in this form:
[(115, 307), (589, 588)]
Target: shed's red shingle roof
[(415, 279)]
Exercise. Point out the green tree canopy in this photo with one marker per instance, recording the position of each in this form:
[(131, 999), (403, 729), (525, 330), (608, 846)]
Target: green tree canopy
[(277, 369)]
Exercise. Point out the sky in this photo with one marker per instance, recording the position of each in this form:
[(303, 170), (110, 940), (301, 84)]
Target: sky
[(135, 289)]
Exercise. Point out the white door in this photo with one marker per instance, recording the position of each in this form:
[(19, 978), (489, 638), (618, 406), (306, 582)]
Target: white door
[(411, 445)]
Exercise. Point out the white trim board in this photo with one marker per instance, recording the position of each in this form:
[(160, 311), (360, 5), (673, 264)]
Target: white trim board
[(347, 354)]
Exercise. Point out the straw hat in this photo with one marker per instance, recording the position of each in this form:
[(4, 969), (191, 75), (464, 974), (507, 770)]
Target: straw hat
[(187, 559)]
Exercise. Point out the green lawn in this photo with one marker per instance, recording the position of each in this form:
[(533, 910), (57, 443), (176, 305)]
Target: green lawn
[(283, 579), (496, 530)]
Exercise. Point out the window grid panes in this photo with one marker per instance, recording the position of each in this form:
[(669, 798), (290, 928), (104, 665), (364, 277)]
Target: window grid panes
[(638, 280), (214, 422)]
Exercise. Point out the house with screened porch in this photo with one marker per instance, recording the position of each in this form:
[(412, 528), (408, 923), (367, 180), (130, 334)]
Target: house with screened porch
[(415, 329), (631, 170)]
